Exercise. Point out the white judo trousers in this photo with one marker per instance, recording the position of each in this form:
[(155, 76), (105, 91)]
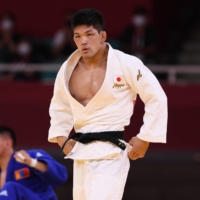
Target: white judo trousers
[(102, 179)]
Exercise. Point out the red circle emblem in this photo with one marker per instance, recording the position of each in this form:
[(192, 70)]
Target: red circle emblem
[(118, 79)]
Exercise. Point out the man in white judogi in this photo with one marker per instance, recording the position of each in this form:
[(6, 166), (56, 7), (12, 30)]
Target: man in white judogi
[(94, 93)]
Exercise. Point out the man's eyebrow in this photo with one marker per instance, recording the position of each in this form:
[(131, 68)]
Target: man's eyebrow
[(88, 31), (85, 32)]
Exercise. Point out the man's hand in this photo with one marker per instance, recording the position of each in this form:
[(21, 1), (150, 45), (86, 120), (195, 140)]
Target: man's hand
[(139, 148), (22, 157), (68, 146)]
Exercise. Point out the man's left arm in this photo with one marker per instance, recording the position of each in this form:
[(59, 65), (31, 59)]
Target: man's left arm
[(44, 166), (23, 157), (154, 128)]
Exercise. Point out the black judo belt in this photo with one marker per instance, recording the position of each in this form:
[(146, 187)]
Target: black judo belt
[(110, 136)]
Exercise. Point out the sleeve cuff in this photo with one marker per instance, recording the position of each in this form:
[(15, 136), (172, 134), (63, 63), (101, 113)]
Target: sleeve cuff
[(152, 139), (53, 137)]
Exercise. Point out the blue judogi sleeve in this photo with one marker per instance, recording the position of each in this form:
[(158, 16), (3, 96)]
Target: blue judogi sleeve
[(56, 173), (25, 182)]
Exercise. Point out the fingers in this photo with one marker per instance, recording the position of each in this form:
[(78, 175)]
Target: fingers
[(69, 146), (134, 154), (72, 142), (139, 148), (22, 157), (141, 156), (19, 158), (19, 155)]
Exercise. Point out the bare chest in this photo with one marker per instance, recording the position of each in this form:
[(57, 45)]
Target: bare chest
[(84, 84)]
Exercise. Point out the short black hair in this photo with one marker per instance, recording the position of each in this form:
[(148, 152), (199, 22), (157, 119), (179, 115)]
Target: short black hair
[(89, 17), (4, 130)]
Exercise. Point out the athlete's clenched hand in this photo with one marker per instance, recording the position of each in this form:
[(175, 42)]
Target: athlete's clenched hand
[(139, 148), (68, 146)]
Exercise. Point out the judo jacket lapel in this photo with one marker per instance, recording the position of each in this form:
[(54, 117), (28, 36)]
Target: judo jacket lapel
[(82, 116)]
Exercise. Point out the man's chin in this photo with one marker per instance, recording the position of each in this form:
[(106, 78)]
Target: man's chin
[(86, 55)]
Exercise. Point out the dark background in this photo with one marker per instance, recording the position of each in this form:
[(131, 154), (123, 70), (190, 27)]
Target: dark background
[(169, 171)]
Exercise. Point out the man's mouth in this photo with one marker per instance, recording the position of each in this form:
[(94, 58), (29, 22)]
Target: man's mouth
[(85, 50)]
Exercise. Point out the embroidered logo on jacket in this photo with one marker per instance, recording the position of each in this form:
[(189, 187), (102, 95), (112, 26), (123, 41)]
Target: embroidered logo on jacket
[(22, 173), (118, 82), (139, 75), (38, 154), (4, 193)]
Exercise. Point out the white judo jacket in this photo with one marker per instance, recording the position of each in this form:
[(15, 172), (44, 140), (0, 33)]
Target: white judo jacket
[(111, 108)]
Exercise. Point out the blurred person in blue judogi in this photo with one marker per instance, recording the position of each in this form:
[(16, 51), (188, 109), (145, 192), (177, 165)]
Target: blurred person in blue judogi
[(27, 174)]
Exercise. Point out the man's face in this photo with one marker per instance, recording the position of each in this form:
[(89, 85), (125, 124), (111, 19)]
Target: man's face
[(88, 40)]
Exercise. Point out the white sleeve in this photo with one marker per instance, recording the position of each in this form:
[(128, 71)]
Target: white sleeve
[(144, 83), (60, 111)]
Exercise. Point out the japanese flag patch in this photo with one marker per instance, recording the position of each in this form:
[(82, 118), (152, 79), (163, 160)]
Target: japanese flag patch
[(118, 82)]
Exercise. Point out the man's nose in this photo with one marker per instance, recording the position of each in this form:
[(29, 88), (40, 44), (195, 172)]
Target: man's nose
[(84, 40)]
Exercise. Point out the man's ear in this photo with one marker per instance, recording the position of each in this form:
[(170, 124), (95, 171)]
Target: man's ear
[(103, 36), (9, 143)]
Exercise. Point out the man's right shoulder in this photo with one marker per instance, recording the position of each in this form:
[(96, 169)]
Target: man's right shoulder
[(71, 60)]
